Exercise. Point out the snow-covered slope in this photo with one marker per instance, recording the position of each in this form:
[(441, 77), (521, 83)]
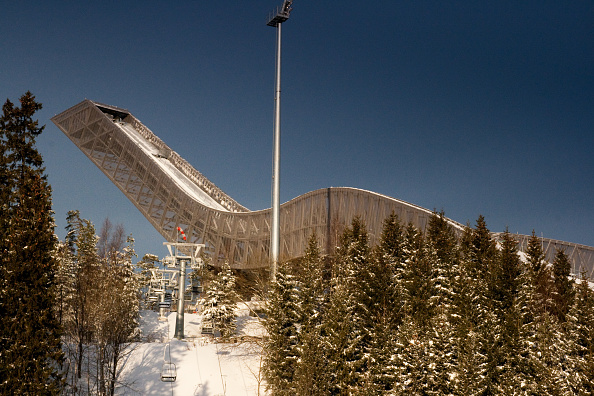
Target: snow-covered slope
[(203, 366)]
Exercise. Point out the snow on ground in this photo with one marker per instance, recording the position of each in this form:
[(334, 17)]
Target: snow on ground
[(204, 367)]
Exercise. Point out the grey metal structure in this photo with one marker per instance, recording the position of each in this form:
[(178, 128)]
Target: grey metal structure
[(170, 193), (275, 20)]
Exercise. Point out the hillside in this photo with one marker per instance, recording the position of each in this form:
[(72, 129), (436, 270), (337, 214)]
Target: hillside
[(203, 366)]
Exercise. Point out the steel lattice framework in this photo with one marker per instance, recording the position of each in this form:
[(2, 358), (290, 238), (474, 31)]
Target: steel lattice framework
[(170, 193)]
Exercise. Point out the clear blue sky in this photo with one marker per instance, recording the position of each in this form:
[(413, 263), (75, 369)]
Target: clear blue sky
[(470, 107)]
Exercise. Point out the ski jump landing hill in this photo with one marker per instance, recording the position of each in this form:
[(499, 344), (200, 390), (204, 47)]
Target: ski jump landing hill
[(170, 193)]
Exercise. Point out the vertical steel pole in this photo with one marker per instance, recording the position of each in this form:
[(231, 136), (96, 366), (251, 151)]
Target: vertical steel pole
[(179, 320), (275, 228)]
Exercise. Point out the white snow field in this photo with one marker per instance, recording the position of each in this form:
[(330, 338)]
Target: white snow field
[(204, 367)]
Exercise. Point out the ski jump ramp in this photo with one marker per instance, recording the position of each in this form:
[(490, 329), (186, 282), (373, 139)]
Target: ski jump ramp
[(170, 193)]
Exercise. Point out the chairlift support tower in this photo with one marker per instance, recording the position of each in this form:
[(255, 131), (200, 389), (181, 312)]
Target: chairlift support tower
[(276, 18), (178, 255)]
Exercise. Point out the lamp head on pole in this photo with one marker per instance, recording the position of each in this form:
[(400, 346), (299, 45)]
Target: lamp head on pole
[(281, 14)]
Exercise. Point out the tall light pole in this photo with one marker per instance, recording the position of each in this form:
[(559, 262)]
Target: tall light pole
[(277, 17)]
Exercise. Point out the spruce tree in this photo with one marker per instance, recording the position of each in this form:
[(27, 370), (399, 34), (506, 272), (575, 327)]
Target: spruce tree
[(355, 257), (282, 324), (387, 309), (310, 376), (80, 263), (221, 301), (508, 305), (30, 346), (563, 285), (539, 278), (419, 278), (582, 338)]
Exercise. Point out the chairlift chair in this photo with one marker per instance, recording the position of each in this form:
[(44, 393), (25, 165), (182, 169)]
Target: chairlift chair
[(169, 262), (168, 372)]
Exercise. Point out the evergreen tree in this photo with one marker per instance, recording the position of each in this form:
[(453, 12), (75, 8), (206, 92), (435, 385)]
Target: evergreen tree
[(563, 294), (337, 340), (482, 249), (473, 316), (30, 346), (355, 258), (282, 324), (221, 302), (512, 349), (310, 376), (419, 278), (582, 339), (387, 308), (539, 279), (442, 241), (80, 265)]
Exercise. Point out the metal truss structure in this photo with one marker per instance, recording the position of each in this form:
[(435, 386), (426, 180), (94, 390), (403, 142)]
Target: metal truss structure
[(170, 193)]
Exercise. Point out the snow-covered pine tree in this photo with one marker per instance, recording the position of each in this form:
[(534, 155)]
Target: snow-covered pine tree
[(283, 325), (442, 247), (221, 302), (144, 266), (310, 371), (387, 310), (354, 256), (81, 266), (539, 280), (512, 355), (563, 288), (542, 332), (30, 345), (419, 278), (336, 335), (581, 336), (473, 314)]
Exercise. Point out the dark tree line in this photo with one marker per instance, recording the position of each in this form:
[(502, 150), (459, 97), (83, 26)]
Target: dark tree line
[(61, 303), (30, 347), (429, 313), (98, 304)]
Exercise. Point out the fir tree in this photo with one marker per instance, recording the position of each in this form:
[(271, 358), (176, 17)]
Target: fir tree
[(482, 249), (442, 241), (221, 302), (563, 285), (582, 337), (355, 258), (80, 264), (387, 308), (30, 346), (419, 278), (511, 344), (282, 324), (539, 279), (310, 376), (337, 343)]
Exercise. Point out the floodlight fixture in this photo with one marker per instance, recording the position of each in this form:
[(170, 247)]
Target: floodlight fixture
[(280, 14)]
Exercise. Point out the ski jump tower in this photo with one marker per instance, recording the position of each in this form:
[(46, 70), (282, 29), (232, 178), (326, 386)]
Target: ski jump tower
[(170, 193)]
